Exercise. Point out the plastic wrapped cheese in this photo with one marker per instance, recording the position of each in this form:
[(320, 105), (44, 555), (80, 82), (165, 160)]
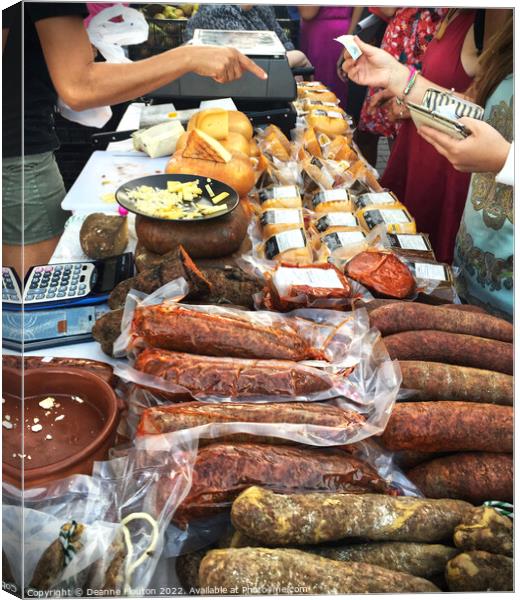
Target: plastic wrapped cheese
[(396, 220), (281, 196), (330, 222), (290, 246), (377, 200), (341, 243), (275, 220), (336, 200)]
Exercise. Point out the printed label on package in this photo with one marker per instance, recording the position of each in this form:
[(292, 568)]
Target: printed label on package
[(341, 239), (409, 241), (431, 271), (374, 199), (281, 216), (339, 219), (287, 240), (315, 278)]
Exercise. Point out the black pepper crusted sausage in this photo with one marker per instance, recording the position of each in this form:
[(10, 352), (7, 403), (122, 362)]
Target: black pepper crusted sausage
[(484, 528), (435, 381), (246, 571), (478, 571), (419, 560), (451, 348), (408, 316), (299, 519), (471, 476), (449, 427)]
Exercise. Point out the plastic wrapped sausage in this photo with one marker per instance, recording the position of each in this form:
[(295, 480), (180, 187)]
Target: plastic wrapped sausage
[(220, 333), (449, 427), (222, 471), (246, 571), (167, 419), (382, 273), (300, 519), (233, 377)]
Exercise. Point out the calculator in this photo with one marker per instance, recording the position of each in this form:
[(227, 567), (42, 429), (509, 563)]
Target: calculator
[(11, 288), (55, 282)]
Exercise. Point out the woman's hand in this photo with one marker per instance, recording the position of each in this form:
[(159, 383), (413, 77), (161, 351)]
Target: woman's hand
[(375, 68), (484, 151), (221, 64), (339, 71), (385, 100)]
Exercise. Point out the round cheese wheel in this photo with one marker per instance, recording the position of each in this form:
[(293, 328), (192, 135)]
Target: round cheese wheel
[(237, 173), (202, 239), (239, 123), (236, 142)]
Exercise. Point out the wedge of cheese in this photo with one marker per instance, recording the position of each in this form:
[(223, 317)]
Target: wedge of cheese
[(159, 140), (213, 121), (202, 146)]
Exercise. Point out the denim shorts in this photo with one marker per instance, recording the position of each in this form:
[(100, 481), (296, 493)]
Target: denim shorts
[(31, 213)]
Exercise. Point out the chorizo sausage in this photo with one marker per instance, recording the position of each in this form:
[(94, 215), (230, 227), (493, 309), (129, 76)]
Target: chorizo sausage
[(435, 381), (299, 519), (449, 427), (451, 348), (484, 528), (166, 419), (233, 377), (394, 318), (246, 571), (382, 273), (222, 471), (223, 333), (420, 560), (471, 476), (478, 571)]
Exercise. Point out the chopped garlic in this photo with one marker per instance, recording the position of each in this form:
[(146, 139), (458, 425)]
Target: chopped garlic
[(36, 420), (48, 436), (36, 428), (78, 399), (7, 425), (7, 417), (59, 418), (47, 403)]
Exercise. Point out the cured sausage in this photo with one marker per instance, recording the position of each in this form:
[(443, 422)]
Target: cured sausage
[(225, 333), (187, 569), (281, 520), (451, 348), (247, 571), (420, 560), (175, 263), (107, 329), (222, 471), (435, 381), (233, 377), (165, 419), (408, 316), (471, 476), (471, 308), (484, 528), (449, 427), (382, 273), (479, 571)]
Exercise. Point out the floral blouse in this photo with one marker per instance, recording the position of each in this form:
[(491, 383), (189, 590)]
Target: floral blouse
[(406, 38)]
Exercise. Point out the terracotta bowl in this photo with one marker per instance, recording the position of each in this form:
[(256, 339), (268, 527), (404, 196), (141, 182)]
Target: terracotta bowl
[(69, 419)]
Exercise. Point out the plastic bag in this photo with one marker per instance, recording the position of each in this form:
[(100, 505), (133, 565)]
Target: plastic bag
[(110, 29)]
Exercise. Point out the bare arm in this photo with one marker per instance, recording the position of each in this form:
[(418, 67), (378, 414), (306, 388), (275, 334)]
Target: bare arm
[(83, 83), (308, 12), (356, 15)]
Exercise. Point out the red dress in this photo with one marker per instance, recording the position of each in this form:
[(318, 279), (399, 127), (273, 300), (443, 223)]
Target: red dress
[(433, 191)]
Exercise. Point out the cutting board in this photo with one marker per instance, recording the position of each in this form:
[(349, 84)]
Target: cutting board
[(104, 172)]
